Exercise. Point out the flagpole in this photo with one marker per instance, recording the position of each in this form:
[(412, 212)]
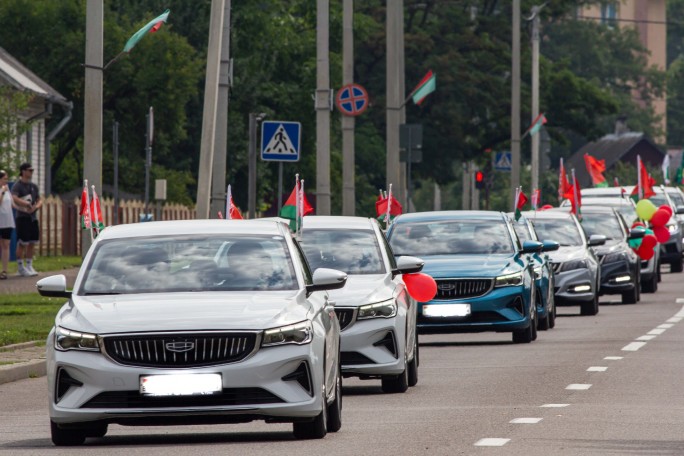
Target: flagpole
[(300, 216), (90, 215), (574, 195), (296, 204), (640, 192), (389, 208)]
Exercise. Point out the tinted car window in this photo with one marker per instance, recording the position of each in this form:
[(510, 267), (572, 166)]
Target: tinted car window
[(451, 237), (607, 225), (659, 200), (676, 198), (351, 251), (564, 232)]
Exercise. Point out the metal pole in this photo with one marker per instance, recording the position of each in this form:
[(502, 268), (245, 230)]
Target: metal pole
[(206, 162), (535, 95), (322, 108), (219, 170), (115, 153), (92, 106), (401, 188), (408, 170), (280, 186), (465, 201), (348, 162), (515, 100), (148, 164), (393, 95), (252, 165)]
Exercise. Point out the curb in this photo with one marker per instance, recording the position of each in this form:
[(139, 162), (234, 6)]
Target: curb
[(20, 371)]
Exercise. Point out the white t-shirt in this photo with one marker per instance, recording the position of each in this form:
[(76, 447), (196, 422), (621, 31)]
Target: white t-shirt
[(6, 217)]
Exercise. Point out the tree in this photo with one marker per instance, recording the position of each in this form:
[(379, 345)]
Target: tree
[(13, 124)]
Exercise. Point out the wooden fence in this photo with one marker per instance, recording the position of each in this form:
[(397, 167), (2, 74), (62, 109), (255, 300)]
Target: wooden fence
[(60, 224)]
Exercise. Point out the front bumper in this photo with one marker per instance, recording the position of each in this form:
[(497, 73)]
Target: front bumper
[(374, 347), (503, 309), (616, 278), (571, 286), (252, 389)]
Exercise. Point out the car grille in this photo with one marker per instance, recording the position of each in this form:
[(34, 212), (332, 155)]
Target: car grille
[(180, 350), (345, 316), (462, 288), (227, 397)]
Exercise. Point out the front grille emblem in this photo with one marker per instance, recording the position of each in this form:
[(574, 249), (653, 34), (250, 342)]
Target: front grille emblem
[(446, 286), (180, 347)]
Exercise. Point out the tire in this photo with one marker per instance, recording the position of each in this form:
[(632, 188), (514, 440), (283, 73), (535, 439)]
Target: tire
[(335, 409), (99, 431), (590, 308), (66, 437), (650, 286), (396, 383), (413, 365), (527, 335), (314, 429), (552, 312), (631, 297), (677, 266), (543, 324)]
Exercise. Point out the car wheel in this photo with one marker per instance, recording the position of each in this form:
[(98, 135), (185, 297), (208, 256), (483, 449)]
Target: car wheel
[(630, 297), (413, 365), (650, 286), (316, 428), (99, 430), (66, 437), (677, 266), (590, 307), (527, 335), (552, 312), (544, 323), (396, 383), (335, 409), (659, 274)]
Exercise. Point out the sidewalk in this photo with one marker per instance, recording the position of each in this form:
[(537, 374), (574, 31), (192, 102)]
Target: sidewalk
[(26, 360)]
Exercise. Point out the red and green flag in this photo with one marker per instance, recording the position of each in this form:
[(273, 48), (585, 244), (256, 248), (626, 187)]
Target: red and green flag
[(387, 207), (96, 213), (645, 183), (425, 87), (596, 168), (520, 201), (537, 124), (296, 204), (151, 27), (232, 211), (563, 183), (85, 207)]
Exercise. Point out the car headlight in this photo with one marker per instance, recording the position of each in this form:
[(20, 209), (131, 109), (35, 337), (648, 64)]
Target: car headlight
[(66, 339), (575, 264), (509, 280), (298, 333), (537, 273), (614, 257), (385, 309), (673, 228)]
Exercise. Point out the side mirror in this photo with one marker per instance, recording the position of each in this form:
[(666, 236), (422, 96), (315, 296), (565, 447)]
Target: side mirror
[(636, 233), (596, 240), (53, 287), (532, 247), (550, 246), (680, 210), (408, 265), (327, 279)]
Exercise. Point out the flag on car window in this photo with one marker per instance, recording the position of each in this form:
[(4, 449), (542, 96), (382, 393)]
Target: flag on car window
[(645, 183), (520, 201), (85, 207), (292, 205), (97, 221)]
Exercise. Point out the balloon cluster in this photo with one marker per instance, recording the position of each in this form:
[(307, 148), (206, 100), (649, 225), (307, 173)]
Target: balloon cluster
[(421, 287), (658, 218)]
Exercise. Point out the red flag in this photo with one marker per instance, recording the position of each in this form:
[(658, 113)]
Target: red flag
[(96, 213), (645, 183), (85, 208), (563, 184), (394, 207), (234, 211), (522, 200), (291, 203), (596, 168), (575, 196)]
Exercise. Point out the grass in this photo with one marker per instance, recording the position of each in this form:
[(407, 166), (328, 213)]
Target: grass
[(50, 263), (27, 317)]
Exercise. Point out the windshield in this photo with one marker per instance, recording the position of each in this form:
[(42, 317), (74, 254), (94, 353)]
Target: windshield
[(659, 200), (598, 223), (522, 231), (676, 197), (173, 264), (479, 237), (563, 231), (351, 251)]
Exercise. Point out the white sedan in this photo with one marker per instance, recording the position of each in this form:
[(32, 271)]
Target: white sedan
[(376, 313), (156, 332)]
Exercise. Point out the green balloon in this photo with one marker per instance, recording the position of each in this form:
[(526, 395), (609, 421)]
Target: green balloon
[(645, 209)]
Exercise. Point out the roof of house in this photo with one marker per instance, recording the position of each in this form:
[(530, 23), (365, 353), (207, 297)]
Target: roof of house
[(20, 77)]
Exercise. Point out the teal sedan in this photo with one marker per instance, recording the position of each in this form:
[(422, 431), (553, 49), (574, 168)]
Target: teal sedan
[(484, 273)]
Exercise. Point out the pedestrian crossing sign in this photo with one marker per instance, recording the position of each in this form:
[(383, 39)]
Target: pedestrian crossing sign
[(280, 140), (502, 161)]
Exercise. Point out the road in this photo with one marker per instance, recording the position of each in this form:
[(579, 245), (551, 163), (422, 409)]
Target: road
[(609, 384)]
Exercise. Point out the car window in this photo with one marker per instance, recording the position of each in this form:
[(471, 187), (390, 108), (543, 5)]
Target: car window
[(171, 264), (676, 198), (351, 251), (659, 200), (522, 231), (601, 223), (306, 268), (388, 249), (451, 237), (563, 231)]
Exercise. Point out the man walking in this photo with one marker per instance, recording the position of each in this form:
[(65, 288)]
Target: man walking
[(27, 201)]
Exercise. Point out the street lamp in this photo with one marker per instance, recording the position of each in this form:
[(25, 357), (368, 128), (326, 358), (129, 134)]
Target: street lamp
[(254, 120)]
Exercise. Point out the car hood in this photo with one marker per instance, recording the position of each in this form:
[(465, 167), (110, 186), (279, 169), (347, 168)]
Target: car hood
[(183, 311), (568, 253), (470, 265), (363, 289)]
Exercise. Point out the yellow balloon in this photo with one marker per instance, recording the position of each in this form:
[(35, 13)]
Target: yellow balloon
[(645, 209)]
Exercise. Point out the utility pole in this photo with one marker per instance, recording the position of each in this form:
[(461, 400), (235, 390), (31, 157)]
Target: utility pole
[(92, 106), (322, 107), (515, 100), (394, 96), (254, 120), (149, 138), (219, 170), (535, 93), (210, 106), (348, 162)]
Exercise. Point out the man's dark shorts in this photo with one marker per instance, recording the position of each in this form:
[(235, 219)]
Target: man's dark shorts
[(27, 230), (6, 233)]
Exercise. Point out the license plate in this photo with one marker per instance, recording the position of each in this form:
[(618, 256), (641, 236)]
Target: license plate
[(446, 310), (180, 384)]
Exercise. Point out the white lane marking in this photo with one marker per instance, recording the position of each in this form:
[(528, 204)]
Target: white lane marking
[(526, 420), (645, 338), (657, 331), (674, 320), (597, 369), (578, 386), (665, 326), (613, 358), (679, 300), (554, 405), (492, 442), (681, 312), (634, 346)]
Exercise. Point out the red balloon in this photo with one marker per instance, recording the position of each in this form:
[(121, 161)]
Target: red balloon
[(546, 206), (421, 287), (635, 224), (662, 234), (660, 217), (648, 242), (645, 254), (667, 208)]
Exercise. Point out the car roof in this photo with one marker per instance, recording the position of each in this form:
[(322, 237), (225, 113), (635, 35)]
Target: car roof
[(186, 227), (337, 221), (559, 213), (449, 215), (607, 201)]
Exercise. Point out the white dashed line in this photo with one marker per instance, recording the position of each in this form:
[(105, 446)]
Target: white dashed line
[(679, 300), (597, 369), (645, 338), (674, 320), (578, 386), (665, 326), (492, 442), (634, 346), (681, 312), (613, 358), (526, 420), (554, 405), (657, 331)]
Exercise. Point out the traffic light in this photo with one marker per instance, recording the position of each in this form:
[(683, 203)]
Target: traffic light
[(479, 180)]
